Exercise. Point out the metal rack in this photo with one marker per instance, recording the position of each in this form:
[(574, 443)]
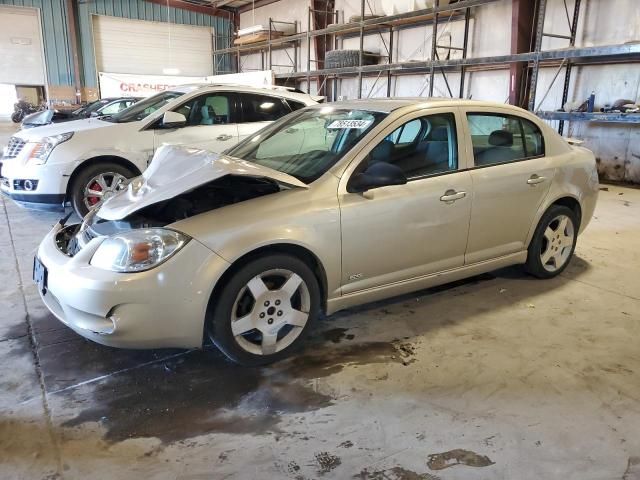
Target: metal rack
[(537, 58)]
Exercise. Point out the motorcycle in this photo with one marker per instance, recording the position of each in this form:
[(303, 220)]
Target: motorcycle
[(23, 108)]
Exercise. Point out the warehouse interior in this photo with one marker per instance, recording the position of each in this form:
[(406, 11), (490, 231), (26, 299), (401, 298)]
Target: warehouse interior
[(501, 375)]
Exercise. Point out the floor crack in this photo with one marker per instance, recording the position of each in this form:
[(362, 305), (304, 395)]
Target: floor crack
[(34, 349)]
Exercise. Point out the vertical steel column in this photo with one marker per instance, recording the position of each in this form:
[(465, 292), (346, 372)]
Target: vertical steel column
[(542, 8), (434, 42), (567, 73), (269, 46), (361, 48), (309, 13), (391, 33), (465, 45)]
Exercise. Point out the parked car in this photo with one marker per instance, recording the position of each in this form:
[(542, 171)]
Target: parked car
[(100, 108), (330, 207), (86, 161)]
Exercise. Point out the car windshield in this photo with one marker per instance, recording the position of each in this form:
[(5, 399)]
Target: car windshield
[(307, 143), (89, 107), (144, 108)]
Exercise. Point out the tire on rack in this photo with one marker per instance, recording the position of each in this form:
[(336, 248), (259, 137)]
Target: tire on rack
[(348, 58), (553, 242), (94, 183), (264, 310)]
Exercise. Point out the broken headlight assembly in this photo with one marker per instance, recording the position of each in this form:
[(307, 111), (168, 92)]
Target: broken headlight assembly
[(138, 250), (42, 149)]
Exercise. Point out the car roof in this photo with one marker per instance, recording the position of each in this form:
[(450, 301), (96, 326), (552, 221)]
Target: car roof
[(388, 105), (272, 89)]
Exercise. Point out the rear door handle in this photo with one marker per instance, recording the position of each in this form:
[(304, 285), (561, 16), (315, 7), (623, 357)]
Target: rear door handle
[(451, 196), (224, 137), (535, 179)]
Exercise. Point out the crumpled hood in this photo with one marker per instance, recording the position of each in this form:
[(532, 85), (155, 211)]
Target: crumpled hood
[(37, 133), (175, 170)]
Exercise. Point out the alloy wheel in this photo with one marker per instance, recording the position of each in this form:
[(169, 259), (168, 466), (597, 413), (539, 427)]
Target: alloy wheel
[(557, 243), (101, 187), (270, 312)]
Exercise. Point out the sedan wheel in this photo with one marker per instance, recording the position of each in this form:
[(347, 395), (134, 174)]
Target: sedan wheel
[(558, 243), (270, 312), (101, 187), (264, 309), (553, 242)]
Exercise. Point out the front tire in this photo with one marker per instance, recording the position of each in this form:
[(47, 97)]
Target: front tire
[(265, 310), (96, 183), (553, 242)]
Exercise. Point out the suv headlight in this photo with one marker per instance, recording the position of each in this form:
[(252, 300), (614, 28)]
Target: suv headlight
[(138, 250), (41, 150)]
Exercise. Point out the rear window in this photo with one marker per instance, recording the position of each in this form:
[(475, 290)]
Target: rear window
[(262, 108), (499, 138)]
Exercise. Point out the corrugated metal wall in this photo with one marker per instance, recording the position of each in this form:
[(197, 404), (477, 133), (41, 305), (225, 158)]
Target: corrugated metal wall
[(57, 49), (140, 10)]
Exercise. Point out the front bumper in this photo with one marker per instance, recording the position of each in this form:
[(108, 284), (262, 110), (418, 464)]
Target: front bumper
[(163, 307), (51, 181)]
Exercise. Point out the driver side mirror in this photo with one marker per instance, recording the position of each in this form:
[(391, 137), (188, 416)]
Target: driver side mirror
[(378, 175), (173, 120)]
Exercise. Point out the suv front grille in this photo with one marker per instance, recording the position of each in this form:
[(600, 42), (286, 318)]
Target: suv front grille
[(14, 147)]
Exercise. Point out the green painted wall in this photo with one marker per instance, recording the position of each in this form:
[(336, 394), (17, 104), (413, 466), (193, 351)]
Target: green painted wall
[(57, 49)]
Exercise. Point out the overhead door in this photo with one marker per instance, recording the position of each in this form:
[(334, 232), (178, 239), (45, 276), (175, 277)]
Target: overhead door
[(21, 61), (151, 48)]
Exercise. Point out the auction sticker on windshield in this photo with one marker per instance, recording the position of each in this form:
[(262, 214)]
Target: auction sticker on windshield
[(359, 124)]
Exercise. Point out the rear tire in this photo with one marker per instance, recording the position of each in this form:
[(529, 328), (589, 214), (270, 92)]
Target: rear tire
[(265, 310), (553, 242), (88, 180)]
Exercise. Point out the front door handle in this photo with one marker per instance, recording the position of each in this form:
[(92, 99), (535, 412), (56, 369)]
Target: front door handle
[(535, 179), (224, 137), (451, 196)]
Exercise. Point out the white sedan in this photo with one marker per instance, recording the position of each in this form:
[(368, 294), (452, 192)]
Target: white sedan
[(86, 161), (329, 207)]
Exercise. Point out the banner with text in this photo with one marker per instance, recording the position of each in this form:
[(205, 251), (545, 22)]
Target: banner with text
[(128, 85)]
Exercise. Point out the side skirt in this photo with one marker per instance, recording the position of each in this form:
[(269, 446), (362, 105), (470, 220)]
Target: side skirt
[(420, 283)]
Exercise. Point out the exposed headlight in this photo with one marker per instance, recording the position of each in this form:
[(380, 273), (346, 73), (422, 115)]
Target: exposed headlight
[(138, 250), (41, 150)]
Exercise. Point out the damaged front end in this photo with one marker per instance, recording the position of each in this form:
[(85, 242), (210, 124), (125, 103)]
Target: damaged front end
[(179, 184)]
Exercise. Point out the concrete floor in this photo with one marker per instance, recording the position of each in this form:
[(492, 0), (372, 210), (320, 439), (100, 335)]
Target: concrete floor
[(499, 377)]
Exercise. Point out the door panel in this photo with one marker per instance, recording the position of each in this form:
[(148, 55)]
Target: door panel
[(210, 124), (504, 206), (510, 181), (396, 233), (400, 232), (214, 138)]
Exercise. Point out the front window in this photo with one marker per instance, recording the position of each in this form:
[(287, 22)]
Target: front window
[(306, 144), (145, 107), (421, 147)]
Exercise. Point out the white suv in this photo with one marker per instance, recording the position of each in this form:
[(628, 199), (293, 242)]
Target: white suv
[(86, 161)]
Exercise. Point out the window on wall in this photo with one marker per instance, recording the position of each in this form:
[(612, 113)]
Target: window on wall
[(423, 146), (262, 108), (500, 138)]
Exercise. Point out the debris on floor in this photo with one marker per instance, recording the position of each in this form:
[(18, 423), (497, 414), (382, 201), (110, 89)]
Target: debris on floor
[(440, 461)]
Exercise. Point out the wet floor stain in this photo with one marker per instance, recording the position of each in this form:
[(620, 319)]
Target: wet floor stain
[(440, 461), (199, 392), (326, 462), (336, 335), (633, 469), (394, 473)]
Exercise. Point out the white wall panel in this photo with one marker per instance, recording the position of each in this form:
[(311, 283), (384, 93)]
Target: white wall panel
[(21, 60)]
